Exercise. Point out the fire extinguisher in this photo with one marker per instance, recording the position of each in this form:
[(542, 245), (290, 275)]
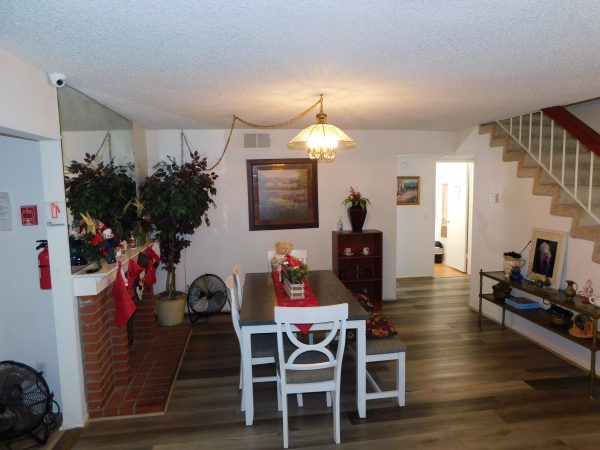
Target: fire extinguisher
[(44, 265)]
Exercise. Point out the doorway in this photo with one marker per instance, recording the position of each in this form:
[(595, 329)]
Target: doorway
[(453, 207)]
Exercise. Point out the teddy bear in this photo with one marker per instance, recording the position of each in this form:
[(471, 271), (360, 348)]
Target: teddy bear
[(283, 255)]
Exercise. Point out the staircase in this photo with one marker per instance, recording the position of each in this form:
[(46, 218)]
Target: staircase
[(560, 163)]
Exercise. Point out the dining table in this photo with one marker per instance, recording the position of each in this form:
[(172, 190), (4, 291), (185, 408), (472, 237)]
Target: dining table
[(257, 316)]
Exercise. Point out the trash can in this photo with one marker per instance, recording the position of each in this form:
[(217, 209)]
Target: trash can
[(438, 254)]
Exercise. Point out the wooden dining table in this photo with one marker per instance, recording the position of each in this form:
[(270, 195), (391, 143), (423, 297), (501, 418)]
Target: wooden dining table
[(257, 316)]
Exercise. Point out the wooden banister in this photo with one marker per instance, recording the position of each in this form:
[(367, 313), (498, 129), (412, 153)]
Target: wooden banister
[(578, 129)]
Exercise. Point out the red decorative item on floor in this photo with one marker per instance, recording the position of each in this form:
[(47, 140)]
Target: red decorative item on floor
[(124, 306), (283, 300)]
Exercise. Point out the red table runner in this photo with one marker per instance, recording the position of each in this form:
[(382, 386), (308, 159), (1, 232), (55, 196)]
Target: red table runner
[(284, 300)]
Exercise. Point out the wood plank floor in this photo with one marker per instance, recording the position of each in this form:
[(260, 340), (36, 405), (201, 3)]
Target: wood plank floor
[(466, 389), (444, 271)]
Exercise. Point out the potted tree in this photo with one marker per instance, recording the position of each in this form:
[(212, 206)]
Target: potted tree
[(101, 190), (98, 190), (176, 199)]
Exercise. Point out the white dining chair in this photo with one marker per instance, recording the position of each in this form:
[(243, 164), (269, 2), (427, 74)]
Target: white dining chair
[(385, 349), (264, 345), (301, 254), (310, 367), (239, 277)]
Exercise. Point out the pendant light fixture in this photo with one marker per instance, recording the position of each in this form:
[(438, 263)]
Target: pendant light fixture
[(322, 139)]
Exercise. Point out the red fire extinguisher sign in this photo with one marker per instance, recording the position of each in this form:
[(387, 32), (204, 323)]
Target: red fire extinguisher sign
[(44, 265)]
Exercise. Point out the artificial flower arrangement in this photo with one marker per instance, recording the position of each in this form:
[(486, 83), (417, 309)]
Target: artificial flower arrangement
[(294, 274), (293, 280), (98, 241), (356, 199)]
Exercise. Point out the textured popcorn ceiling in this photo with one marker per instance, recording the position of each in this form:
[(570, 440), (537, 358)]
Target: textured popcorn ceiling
[(385, 64)]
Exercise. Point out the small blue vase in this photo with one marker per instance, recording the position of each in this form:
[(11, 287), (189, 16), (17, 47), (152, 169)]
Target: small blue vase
[(515, 275)]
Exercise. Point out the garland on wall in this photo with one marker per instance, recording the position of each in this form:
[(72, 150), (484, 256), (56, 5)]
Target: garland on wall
[(184, 140)]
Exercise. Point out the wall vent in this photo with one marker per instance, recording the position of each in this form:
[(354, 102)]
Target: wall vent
[(257, 140)]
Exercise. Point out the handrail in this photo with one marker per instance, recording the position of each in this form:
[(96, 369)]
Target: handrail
[(578, 129)]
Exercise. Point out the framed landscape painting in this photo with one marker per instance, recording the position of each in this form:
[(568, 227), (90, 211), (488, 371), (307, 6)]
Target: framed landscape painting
[(546, 255), (408, 190), (282, 193)]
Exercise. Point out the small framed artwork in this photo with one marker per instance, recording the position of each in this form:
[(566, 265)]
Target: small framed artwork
[(408, 191), (282, 194), (546, 255)]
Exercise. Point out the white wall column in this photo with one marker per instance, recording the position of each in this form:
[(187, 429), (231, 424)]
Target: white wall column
[(66, 312)]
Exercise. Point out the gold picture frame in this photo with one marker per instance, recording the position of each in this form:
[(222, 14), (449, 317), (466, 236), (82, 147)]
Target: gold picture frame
[(408, 190), (546, 255)]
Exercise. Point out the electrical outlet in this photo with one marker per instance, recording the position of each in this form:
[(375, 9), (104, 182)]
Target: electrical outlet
[(40, 367)]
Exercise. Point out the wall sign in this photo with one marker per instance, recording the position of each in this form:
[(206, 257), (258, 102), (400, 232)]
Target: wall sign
[(29, 215), (56, 215), (5, 212)]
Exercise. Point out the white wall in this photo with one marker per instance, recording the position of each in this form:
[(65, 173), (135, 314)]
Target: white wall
[(28, 105), (140, 154), (588, 112), (371, 168), (415, 223), (27, 335), (507, 226), (28, 108), (75, 144)]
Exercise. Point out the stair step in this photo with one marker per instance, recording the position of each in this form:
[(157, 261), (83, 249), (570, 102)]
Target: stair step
[(557, 148), (582, 195), (569, 180), (588, 221), (557, 158)]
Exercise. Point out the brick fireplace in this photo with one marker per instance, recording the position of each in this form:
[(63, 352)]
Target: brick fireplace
[(107, 356)]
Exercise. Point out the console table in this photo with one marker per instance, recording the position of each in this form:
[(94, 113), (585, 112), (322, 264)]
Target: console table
[(578, 304)]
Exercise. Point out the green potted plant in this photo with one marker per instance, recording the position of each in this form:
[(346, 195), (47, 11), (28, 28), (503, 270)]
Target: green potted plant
[(357, 211), (293, 280), (176, 198), (101, 190)]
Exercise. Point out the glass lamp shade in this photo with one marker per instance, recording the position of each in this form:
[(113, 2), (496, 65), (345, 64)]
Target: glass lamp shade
[(321, 141)]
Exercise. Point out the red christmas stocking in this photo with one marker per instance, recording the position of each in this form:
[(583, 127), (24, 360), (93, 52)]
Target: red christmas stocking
[(124, 306), (133, 271), (150, 277)]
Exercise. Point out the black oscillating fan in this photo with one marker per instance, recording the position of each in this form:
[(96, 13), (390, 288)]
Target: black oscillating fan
[(25, 403), (207, 295)]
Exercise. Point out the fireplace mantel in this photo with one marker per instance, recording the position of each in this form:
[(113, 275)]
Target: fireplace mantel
[(94, 283)]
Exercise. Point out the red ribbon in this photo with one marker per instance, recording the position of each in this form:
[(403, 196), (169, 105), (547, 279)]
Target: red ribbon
[(284, 300)]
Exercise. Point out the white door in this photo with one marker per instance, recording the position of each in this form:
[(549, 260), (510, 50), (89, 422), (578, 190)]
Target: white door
[(458, 195)]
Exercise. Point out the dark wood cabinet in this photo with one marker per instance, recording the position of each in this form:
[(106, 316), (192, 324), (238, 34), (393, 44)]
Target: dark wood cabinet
[(360, 267)]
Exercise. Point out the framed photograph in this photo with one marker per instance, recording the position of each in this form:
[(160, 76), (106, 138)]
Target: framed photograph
[(546, 255), (408, 191), (282, 193)]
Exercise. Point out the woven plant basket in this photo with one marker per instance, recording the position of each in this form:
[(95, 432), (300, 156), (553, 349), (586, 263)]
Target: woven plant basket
[(170, 312)]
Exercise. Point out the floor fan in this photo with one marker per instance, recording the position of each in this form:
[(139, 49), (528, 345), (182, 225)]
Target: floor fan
[(25, 404), (207, 295)]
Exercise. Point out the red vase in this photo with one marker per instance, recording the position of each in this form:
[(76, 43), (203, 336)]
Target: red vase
[(357, 217)]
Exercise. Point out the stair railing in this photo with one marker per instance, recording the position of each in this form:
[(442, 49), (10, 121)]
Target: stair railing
[(552, 147)]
